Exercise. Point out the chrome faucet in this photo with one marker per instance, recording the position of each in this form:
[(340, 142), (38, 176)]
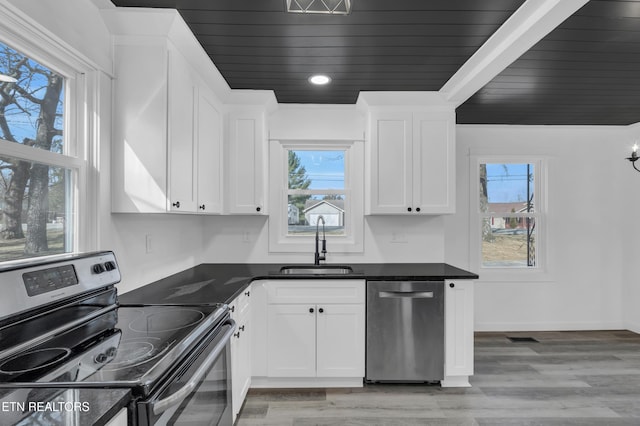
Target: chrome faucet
[(319, 257)]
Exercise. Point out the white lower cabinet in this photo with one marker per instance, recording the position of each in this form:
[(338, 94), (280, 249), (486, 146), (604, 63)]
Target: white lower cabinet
[(240, 350), (458, 333), (315, 333)]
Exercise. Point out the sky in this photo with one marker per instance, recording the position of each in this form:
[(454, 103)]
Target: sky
[(324, 168), (507, 183)]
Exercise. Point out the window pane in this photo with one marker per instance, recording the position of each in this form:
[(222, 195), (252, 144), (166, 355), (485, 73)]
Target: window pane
[(31, 108), (316, 169), (304, 212), (508, 242), (506, 188), (35, 202)]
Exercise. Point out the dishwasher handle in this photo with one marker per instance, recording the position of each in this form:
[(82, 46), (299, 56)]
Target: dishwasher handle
[(406, 294)]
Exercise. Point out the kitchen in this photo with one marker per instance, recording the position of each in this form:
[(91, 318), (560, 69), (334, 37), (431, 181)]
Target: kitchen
[(588, 281)]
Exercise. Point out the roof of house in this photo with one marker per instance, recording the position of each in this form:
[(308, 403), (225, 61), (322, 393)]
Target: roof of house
[(518, 207), (312, 204)]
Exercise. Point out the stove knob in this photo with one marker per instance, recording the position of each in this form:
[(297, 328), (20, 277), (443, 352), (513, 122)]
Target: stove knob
[(100, 358), (109, 266), (111, 352), (98, 268)]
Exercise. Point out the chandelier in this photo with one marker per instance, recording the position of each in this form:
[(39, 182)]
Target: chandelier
[(333, 7), (634, 157)]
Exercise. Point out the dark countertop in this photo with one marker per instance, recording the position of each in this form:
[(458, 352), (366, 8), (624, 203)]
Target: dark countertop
[(221, 283)]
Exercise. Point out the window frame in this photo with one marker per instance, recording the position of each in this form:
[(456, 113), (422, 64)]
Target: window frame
[(539, 272), (279, 239), (82, 105)]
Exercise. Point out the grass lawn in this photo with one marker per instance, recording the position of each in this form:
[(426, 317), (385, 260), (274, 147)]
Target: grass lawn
[(505, 248), (14, 249)]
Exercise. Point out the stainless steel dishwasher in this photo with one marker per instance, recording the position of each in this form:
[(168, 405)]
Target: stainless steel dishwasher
[(405, 331)]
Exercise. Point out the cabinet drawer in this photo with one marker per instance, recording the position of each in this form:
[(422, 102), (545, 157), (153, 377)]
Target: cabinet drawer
[(316, 291)]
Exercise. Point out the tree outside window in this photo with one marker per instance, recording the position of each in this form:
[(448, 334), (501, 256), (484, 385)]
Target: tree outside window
[(34, 195)]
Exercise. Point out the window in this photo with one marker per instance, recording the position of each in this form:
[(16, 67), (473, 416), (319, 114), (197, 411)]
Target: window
[(313, 180), (509, 214), (315, 189), (37, 172)]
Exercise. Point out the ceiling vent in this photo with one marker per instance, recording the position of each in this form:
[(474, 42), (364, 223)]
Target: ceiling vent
[(332, 7)]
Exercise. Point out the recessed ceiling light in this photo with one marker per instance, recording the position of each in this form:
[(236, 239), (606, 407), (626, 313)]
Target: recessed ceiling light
[(319, 79), (7, 78)]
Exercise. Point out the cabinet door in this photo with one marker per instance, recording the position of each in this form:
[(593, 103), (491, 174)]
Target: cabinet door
[(246, 156), (340, 341), (139, 150), (243, 381), (182, 166), (433, 162), (458, 311), (209, 157), (391, 163), (292, 341)]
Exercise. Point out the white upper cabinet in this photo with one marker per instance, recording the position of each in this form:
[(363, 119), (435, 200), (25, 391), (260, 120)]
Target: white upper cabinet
[(182, 177), (167, 138), (410, 155), (209, 154), (245, 172), (412, 164)]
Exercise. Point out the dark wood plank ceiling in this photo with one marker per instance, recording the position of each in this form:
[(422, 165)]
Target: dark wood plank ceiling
[(381, 45), (584, 72)]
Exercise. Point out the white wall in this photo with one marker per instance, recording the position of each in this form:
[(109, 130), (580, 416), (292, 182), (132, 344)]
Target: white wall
[(177, 241), (628, 223), (587, 241)]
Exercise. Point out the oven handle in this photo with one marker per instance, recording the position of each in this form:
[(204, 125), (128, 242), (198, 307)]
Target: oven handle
[(173, 399)]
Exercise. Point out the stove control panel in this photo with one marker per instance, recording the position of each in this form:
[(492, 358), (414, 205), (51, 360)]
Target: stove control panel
[(33, 283), (50, 279)]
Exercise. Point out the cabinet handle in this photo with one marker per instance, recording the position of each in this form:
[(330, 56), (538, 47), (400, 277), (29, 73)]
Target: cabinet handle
[(201, 207), (241, 328), (452, 285), (176, 204), (408, 209), (233, 309), (418, 209), (310, 310), (321, 310), (247, 293), (237, 334), (258, 209)]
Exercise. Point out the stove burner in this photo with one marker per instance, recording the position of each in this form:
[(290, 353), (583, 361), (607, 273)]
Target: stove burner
[(136, 351), (166, 320), (131, 353), (33, 360)]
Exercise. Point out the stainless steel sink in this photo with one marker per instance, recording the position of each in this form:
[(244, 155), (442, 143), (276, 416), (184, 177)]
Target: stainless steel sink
[(316, 270)]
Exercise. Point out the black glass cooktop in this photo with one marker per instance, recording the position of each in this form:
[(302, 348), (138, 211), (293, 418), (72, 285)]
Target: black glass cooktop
[(131, 346)]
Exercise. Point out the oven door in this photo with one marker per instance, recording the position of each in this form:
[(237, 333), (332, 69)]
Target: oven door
[(199, 392)]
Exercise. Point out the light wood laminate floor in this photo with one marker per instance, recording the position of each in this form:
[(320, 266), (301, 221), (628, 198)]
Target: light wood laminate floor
[(566, 378)]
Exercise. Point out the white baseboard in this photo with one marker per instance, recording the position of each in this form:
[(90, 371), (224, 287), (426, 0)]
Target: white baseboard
[(306, 382), (550, 326)]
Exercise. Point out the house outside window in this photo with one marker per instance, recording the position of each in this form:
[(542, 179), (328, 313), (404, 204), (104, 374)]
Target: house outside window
[(509, 214), (314, 179), (316, 188)]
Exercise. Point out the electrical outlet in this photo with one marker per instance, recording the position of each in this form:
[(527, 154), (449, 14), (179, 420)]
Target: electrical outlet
[(148, 243), (398, 237)]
